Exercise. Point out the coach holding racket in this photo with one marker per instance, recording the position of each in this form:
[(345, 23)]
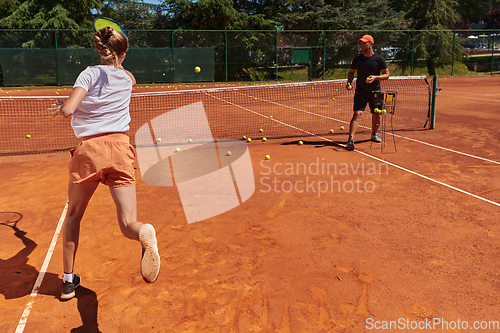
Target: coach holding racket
[(99, 106), (372, 68)]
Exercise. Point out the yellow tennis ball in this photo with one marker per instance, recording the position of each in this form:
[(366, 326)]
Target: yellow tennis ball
[(177, 149), (331, 131), (341, 127), (244, 137), (271, 117), (229, 153), (301, 143), (264, 139), (28, 136), (261, 130), (190, 140), (249, 140), (197, 69), (267, 157), (349, 87), (367, 80), (158, 139), (333, 98)]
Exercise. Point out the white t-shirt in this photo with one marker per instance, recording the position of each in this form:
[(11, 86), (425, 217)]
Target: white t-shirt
[(105, 107)]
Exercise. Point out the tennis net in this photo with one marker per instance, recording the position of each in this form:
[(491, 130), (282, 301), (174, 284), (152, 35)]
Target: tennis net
[(281, 110)]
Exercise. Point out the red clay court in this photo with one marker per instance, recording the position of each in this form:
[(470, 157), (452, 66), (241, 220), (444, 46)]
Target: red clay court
[(408, 238)]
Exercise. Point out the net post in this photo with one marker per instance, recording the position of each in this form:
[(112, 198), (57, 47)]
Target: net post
[(435, 89)]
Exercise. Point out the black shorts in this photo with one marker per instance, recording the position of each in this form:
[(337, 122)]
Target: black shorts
[(374, 100)]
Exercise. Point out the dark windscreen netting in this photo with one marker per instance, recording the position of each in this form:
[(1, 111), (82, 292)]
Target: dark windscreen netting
[(24, 67)]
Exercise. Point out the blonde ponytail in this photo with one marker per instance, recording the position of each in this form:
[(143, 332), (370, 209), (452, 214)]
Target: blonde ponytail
[(110, 45)]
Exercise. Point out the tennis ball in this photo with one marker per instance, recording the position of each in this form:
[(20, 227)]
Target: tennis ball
[(271, 117), (333, 98), (163, 73), (197, 69), (367, 80), (267, 157), (264, 139), (342, 127), (331, 131), (28, 136), (249, 140), (177, 149), (301, 143), (349, 87), (384, 111), (244, 137), (190, 140), (261, 130), (158, 139), (229, 153)]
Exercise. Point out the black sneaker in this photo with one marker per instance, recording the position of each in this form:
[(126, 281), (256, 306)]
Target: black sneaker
[(350, 145), (376, 138), (69, 288)]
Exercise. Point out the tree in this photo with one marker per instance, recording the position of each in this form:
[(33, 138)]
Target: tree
[(493, 19), (433, 20), (339, 15), (131, 14), (35, 14), (214, 15), (475, 11), (7, 7)]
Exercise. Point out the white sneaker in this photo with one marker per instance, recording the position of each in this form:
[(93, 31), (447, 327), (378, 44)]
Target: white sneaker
[(376, 138), (150, 263)]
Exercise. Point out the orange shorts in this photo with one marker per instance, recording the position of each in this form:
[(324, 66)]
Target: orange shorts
[(106, 158)]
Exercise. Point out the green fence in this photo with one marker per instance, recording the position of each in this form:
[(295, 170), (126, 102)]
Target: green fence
[(55, 57)]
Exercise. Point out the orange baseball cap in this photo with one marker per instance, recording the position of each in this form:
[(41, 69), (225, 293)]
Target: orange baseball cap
[(366, 38)]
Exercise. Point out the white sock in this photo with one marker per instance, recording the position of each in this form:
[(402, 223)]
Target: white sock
[(68, 277)]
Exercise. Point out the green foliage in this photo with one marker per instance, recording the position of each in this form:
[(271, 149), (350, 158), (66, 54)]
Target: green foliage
[(434, 41), (215, 15), (45, 15), (132, 15), (35, 14), (338, 15), (493, 19), (7, 7)]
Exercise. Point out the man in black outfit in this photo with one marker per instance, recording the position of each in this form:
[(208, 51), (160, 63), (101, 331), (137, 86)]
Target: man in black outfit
[(371, 69)]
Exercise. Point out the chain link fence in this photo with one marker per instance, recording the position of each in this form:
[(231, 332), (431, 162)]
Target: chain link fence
[(56, 57)]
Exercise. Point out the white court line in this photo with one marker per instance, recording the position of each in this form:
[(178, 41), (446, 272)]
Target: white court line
[(468, 97), (43, 270), (443, 148), (381, 160)]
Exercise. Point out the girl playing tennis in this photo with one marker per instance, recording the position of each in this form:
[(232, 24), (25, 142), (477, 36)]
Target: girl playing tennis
[(99, 106)]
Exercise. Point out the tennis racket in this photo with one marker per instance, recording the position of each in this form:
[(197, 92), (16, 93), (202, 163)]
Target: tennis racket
[(10, 219), (101, 22)]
